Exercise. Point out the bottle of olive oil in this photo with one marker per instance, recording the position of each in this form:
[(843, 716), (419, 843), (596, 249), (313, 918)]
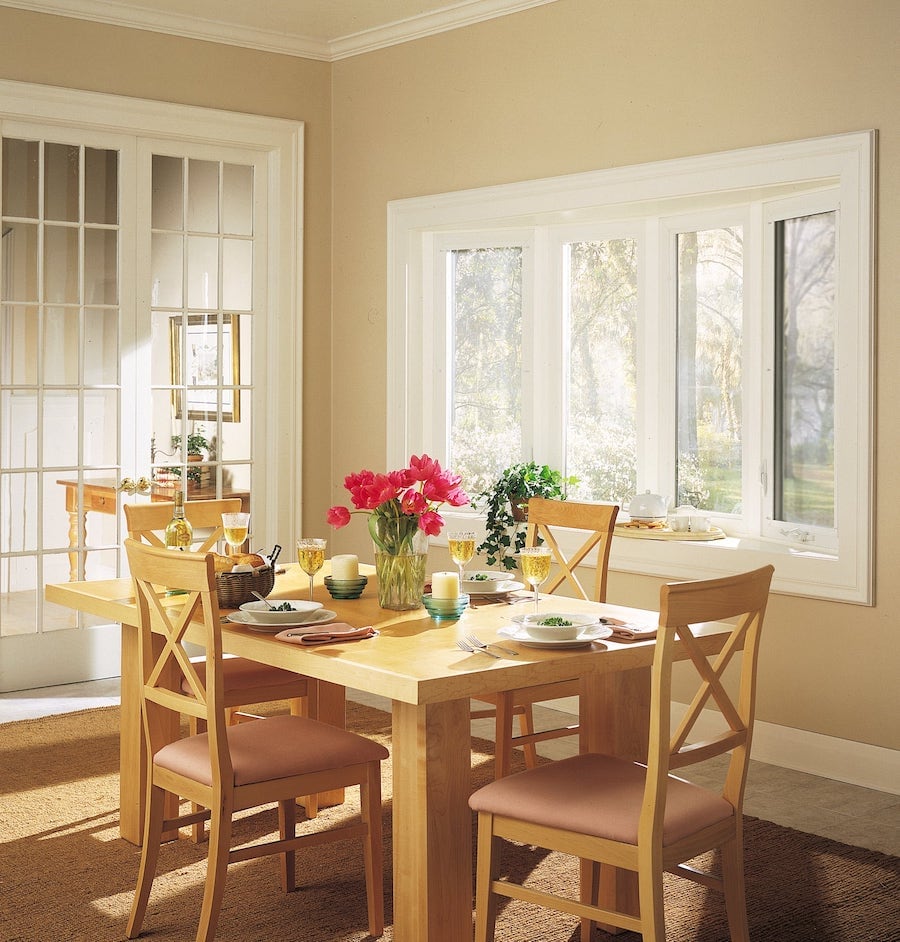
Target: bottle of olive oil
[(179, 532)]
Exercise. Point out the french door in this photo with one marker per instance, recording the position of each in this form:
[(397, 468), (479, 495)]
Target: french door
[(135, 307)]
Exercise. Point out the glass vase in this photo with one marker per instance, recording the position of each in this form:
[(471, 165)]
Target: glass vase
[(401, 575)]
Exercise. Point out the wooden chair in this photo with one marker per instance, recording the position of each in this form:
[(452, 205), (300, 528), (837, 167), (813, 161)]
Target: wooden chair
[(229, 769), (642, 818), (246, 682), (545, 518)]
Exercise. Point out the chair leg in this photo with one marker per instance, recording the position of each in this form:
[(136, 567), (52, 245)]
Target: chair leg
[(650, 890), (503, 735), (526, 725), (487, 870), (216, 868), (153, 824), (373, 853), (590, 893), (198, 830), (287, 828), (732, 861)]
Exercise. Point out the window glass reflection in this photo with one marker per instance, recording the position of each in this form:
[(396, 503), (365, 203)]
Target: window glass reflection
[(61, 175), (101, 186), (20, 181), (18, 352)]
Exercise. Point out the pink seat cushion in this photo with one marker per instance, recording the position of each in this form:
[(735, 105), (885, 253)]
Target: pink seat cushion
[(600, 796), (272, 748), (240, 673)]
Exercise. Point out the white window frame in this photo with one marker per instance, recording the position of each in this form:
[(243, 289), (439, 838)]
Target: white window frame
[(842, 163)]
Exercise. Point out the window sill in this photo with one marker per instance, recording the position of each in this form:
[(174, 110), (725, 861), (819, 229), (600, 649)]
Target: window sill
[(803, 572), (800, 571)]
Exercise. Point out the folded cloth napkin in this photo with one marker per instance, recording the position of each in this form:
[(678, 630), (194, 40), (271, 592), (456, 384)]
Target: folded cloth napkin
[(333, 633), (625, 632)]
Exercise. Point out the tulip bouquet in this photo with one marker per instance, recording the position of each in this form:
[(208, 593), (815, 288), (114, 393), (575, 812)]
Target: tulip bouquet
[(401, 502), (402, 507)]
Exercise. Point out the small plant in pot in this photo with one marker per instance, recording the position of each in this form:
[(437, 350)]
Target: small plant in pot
[(505, 504), (197, 444)]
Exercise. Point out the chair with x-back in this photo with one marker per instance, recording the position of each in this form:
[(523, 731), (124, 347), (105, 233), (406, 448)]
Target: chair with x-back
[(546, 521), (641, 817), (247, 682), (229, 769)]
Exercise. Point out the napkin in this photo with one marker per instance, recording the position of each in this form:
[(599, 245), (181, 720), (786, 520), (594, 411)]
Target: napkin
[(624, 632), (333, 633)]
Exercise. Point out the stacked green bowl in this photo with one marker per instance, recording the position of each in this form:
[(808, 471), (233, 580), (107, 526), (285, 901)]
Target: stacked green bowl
[(445, 608), (345, 588)]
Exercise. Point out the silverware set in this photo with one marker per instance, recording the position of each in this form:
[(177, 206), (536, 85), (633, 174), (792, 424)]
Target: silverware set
[(473, 645)]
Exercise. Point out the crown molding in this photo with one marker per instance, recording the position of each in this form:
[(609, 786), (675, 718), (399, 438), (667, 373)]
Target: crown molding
[(134, 16)]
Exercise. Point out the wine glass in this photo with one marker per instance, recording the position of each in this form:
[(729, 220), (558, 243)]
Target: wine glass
[(462, 549), (535, 562), (237, 528), (311, 556)]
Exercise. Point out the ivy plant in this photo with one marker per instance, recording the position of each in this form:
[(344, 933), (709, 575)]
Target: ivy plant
[(505, 526)]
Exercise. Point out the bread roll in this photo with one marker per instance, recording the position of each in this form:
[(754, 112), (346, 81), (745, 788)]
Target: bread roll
[(250, 559), (222, 563)]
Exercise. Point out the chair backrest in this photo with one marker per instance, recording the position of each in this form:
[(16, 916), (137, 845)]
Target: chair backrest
[(544, 516), (164, 662), (148, 521), (684, 606)]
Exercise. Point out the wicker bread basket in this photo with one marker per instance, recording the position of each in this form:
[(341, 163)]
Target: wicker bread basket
[(235, 588)]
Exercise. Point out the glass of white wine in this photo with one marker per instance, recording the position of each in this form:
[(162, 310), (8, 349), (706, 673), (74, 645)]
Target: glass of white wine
[(535, 563), (237, 529), (311, 556), (462, 549)]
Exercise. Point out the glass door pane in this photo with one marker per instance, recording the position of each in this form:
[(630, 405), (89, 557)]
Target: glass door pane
[(60, 392), (202, 317)]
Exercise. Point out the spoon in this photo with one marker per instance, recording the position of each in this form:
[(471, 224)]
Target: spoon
[(267, 603)]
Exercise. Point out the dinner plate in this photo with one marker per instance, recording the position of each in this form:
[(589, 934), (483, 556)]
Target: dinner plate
[(304, 619), (585, 637), (495, 588)]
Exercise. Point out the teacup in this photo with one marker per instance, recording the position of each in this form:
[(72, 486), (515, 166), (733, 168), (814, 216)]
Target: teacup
[(700, 525), (679, 523)]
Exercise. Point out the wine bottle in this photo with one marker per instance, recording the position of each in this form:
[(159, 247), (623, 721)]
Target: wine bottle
[(179, 532)]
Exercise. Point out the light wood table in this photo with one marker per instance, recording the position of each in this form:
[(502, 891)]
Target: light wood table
[(415, 663)]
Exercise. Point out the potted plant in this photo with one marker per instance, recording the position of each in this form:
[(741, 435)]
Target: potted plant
[(505, 503), (197, 444)]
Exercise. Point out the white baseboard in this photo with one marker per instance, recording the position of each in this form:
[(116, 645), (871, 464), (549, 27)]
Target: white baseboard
[(826, 756)]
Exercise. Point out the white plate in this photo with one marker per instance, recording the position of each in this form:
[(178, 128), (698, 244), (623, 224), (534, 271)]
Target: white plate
[(494, 588), (312, 619), (585, 636)]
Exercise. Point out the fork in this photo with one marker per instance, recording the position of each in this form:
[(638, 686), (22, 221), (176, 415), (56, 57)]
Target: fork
[(475, 642), (468, 648)]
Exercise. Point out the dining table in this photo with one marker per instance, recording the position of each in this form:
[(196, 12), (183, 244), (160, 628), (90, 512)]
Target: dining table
[(414, 662)]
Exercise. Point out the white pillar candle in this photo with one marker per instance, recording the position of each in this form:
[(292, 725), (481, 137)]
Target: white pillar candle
[(345, 567), (445, 585)]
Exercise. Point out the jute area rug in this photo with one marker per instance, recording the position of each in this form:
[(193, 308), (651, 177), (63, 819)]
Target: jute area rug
[(65, 876)]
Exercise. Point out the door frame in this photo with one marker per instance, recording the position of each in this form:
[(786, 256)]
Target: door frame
[(278, 504)]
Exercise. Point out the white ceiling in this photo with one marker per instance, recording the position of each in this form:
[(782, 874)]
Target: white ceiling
[(313, 29)]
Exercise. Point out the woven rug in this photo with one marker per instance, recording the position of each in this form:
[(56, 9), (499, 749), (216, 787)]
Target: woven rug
[(65, 876)]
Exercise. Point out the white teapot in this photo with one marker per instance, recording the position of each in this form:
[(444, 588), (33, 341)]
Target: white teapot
[(648, 506)]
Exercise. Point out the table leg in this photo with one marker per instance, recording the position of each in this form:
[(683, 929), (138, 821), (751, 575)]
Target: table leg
[(132, 746), (432, 823), (331, 707), (614, 719), (132, 761)]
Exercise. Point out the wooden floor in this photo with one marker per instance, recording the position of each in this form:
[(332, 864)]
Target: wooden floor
[(846, 813)]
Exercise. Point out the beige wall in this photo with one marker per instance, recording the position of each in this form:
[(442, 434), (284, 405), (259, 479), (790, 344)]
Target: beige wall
[(580, 85), (575, 85)]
